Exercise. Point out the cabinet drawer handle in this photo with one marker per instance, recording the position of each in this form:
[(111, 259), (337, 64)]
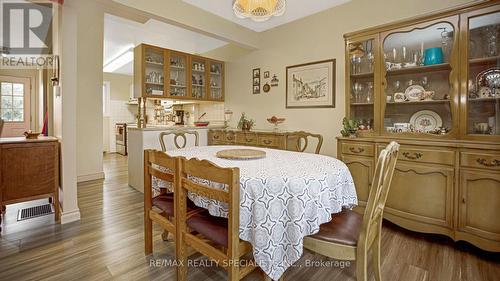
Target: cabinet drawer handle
[(229, 138), (484, 162), (267, 141), (249, 140), (416, 155), (216, 137), (354, 150)]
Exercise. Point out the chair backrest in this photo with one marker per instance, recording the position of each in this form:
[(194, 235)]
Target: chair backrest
[(161, 166), (177, 135), (298, 141), (210, 173), (372, 219)]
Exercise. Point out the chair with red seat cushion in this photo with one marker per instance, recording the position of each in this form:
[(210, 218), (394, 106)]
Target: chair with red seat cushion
[(158, 164), (217, 238), (349, 236)]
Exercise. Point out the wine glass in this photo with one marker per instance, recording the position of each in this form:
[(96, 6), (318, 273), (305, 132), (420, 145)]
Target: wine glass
[(397, 86), (369, 92)]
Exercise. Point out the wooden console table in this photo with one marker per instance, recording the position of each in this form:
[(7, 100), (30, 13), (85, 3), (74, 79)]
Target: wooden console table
[(29, 170)]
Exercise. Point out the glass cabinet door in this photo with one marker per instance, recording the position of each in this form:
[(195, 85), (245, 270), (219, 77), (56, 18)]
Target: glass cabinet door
[(362, 83), (216, 81), (178, 75), (154, 71), (418, 90), (198, 77), (483, 84)]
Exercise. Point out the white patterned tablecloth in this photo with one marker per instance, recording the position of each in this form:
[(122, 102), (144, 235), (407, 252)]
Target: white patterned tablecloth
[(284, 197)]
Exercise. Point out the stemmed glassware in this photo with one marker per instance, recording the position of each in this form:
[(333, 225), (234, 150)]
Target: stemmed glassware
[(369, 92), (357, 88)]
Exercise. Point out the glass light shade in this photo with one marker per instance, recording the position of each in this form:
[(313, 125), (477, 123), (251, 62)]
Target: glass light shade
[(259, 10)]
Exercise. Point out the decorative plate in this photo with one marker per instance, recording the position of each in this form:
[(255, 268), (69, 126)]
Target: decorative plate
[(489, 78), (426, 120), (399, 97), (414, 92), (244, 154)]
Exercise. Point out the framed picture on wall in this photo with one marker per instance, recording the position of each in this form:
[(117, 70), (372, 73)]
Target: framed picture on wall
[(311, 85), (256, 81)]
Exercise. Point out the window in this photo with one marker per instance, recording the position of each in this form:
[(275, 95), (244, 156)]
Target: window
[(12, 102)]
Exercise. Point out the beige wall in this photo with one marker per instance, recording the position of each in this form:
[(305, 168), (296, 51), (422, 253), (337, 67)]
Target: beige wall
[(119, 85), (317, 37), (90, 29)]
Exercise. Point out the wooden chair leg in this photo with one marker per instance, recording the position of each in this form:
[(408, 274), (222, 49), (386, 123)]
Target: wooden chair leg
[(181, 255), (376, 258), (361, 265), (233, 273), (148, 234)]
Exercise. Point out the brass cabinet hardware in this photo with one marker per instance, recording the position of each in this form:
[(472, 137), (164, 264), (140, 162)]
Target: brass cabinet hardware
[(216, 137), (354, 150), (248, 140), (416, 155), (463, 200), (484, 162), (267, 141)]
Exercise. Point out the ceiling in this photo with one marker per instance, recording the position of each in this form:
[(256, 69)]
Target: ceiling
[(295, 9), (121, 34)]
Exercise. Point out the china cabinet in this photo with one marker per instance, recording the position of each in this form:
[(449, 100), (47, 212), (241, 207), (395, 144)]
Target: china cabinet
[(164, 73), (433, 84)]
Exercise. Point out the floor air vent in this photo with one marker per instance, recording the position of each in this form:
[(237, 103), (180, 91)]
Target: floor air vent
[(36, 211)]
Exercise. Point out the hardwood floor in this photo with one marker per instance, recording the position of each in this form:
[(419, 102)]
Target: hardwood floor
[(108, 244)]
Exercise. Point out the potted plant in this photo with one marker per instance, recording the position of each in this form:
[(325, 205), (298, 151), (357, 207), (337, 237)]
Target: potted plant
[(350, 128), (244, 123)]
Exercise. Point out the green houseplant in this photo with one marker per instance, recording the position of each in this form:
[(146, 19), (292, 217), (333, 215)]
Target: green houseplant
[(245, 124), (350, 128)]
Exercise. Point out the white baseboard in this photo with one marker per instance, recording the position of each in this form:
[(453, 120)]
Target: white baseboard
[(90, 177), (67, 217)]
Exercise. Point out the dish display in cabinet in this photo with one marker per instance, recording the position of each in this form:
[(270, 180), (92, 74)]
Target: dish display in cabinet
[(483, 73), (360, 71), (419, 87), (164, 73), (436, 83)]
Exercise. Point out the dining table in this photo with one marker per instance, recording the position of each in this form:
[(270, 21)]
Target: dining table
[(284, 197)]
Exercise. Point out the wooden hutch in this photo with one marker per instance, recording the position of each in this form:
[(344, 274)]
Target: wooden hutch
[(443, 107)]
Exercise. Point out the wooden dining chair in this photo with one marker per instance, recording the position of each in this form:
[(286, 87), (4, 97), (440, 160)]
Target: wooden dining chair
[(160, 208), (298, 141), (218, 238), (178, 134), (349, 235)]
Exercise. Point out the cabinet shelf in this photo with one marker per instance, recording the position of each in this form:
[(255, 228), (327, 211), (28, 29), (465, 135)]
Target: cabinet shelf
[(481, 61), (154, 84), (177, 86), (485, 99), (419, 69), (419, 102), (362, 75), (155, 64), (361, 103)]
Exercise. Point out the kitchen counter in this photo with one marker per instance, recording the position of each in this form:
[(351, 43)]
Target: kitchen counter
[(140, 139), (174, 127)]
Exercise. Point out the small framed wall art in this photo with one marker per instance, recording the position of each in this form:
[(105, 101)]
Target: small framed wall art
[(256, 81)]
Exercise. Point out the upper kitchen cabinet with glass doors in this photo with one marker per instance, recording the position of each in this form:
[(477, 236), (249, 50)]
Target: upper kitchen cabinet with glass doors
[(216, 90), (481, 51), (420, 79), (164, 73), (149, 70), (361, 80)]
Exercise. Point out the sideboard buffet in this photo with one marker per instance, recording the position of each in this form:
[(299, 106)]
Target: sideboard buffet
[(433, 84)]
